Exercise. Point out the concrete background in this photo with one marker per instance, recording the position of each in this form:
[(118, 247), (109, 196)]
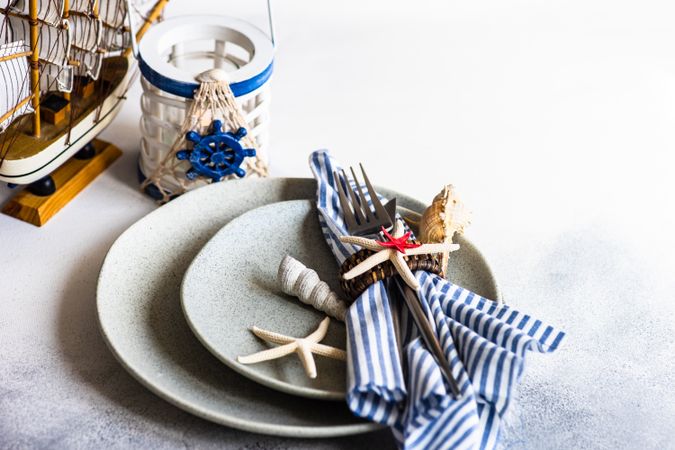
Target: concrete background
[(554, 120)]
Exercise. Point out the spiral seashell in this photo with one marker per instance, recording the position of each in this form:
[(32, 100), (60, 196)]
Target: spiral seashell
[(445, 216), (298, 280)]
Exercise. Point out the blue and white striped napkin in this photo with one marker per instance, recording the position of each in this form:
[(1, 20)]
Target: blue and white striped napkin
[(485, 343)]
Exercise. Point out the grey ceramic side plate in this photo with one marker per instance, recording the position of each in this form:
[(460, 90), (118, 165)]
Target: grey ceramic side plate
[(141, 319), (231, 285)]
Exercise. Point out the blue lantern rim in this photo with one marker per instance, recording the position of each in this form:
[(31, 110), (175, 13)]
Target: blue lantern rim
[(163, 37), (187, 90)]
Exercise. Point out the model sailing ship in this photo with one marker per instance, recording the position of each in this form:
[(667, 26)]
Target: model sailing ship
[(65, 67)]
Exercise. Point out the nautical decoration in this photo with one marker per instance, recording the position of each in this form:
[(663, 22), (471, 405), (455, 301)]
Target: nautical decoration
[(445, 216), (395, 249), (180, 96), (304, 347), (297, 280), (216, 154), (66, 66)]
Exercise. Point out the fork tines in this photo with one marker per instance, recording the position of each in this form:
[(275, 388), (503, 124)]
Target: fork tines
[(358, 214)]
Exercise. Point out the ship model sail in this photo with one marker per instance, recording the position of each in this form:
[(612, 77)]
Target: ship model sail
[(65, 67), (16, 95)]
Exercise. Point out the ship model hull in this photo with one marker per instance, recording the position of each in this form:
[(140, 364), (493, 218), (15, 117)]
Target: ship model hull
[(31, 159)]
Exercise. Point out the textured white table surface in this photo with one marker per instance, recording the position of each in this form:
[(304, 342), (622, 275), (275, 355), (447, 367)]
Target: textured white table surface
[(555, 121)]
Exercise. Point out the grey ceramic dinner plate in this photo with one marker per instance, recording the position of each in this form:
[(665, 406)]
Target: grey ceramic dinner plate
[(141, 319)]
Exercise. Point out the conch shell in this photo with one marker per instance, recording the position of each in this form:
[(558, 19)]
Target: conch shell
[(445, 216), (298, 280)]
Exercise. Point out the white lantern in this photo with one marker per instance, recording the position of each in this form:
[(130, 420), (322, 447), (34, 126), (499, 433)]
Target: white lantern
[(172, 54)]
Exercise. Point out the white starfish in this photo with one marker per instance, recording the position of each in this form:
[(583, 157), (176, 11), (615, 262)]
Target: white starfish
[(304, 347), (396, 256)]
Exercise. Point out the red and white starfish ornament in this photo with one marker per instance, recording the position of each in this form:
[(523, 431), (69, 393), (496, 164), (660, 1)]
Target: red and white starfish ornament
[(394, 249)]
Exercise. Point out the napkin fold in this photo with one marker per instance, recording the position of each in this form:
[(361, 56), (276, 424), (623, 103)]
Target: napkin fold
[(485, 343)]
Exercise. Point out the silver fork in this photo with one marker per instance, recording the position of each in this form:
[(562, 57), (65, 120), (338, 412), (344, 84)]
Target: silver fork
[(361, 220)]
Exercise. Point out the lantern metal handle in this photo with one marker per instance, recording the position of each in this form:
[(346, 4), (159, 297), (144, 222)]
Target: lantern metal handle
[(134, 44), (270, 19)]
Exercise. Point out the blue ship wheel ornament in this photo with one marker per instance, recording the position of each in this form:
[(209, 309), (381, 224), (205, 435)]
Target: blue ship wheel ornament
[(217, 154)]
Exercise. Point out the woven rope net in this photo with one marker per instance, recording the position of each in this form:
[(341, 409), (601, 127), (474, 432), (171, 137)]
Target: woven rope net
[(212, 100)]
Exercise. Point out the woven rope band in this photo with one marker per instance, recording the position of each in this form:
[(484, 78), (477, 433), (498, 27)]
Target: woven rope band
[(354, 287)]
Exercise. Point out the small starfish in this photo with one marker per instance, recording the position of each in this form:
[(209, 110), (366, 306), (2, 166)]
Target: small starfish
[(394, 249), (304, 347), (399, 243)]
